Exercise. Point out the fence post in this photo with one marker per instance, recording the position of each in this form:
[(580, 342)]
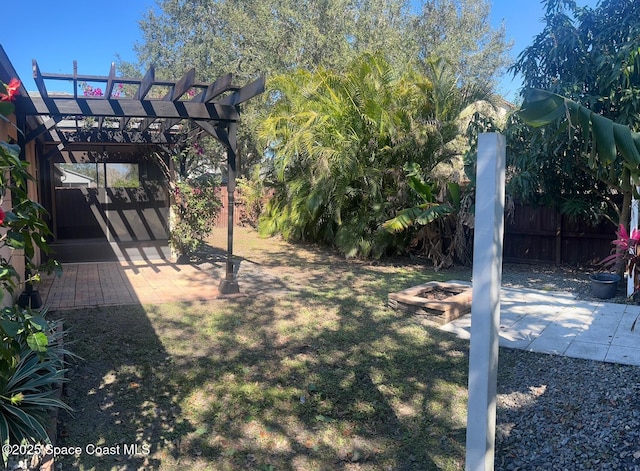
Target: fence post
[(485, 309)]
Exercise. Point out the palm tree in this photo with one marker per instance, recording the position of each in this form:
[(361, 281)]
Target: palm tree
[(337, 145)]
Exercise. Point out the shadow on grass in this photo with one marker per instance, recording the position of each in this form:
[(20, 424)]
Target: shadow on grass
[(119, 391), (322, 377)]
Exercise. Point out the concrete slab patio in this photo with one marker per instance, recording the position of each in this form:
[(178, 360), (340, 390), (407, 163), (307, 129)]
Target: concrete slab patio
[(560, 324)]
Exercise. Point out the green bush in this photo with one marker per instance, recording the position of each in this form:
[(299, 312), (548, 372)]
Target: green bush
[(197, 204)]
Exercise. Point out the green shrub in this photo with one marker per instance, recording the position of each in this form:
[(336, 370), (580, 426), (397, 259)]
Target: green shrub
[(197, 208), (31, 355)]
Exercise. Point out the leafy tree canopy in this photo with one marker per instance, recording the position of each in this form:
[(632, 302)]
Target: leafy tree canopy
[(250, 38), (590, 55)]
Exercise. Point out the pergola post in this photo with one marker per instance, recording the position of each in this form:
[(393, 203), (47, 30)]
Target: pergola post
[(229, 284), (485, 309)]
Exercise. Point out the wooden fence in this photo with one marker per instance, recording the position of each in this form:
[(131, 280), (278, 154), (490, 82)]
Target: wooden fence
[(223, 217), (543, 235), (532, 235)]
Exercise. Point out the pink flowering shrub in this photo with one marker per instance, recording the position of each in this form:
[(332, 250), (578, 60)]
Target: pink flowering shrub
[(197, 207), (625, 251)]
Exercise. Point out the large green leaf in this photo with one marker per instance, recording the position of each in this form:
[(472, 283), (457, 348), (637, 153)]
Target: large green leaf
[(11, 328), (454, 193), (542, 107), (38, 342), (626, 143), (422, 214), (421, 188), (602, 134)]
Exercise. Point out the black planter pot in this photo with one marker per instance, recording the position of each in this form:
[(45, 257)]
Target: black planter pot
[(604, 285)]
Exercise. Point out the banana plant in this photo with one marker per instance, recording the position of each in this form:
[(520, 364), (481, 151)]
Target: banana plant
[(607, 140), (606, 137), (429, 209)]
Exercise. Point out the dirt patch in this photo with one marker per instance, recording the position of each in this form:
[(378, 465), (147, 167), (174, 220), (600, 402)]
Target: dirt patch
[(439, 293), (435, 301)]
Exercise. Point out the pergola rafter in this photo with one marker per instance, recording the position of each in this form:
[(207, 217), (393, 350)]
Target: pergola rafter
[(214, 103), (73, 124)]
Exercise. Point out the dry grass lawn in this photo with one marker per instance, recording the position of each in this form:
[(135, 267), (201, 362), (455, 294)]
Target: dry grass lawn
[(320, 376)]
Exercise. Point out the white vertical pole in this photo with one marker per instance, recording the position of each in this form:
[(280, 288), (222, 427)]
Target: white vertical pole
[(485, 309), (633, 224)]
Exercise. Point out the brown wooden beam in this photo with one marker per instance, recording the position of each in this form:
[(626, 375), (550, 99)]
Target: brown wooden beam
[(75, 79), (37, 77), (48, 125), (215, 89), (214, 131), (245, 93), (179, 89), (126, 108), (84, 156), (108, 89), (223, 84), (113, 137), (145, 86), (111, 81), (123, 80)]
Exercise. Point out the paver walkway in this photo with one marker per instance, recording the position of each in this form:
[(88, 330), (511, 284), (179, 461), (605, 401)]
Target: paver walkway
[(100, 284)]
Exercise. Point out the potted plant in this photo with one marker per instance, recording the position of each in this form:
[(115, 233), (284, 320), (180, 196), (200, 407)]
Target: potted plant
[(625, 252)]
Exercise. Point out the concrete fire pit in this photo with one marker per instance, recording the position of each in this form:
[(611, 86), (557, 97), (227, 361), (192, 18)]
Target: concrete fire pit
[(439, 302)]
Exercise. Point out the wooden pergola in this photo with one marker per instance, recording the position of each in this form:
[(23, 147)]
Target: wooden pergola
[(74, 125)]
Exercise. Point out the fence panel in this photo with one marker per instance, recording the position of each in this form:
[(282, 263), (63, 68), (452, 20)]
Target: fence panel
[(223, 217), (543, 235), (533, 234)]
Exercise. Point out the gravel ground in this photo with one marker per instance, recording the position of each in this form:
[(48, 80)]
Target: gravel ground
[(558, 413)]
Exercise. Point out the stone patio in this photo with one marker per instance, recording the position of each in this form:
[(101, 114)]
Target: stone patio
[(558, 323)]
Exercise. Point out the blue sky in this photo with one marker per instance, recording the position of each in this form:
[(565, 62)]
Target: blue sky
[(56, 33)]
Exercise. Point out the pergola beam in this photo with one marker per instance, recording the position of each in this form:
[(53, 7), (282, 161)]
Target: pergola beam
[(223, 84), (245, 93), (143, 88), (128, 108), (39, 80), (47, 126), (80, 156), (112, 136), (180, 88)]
